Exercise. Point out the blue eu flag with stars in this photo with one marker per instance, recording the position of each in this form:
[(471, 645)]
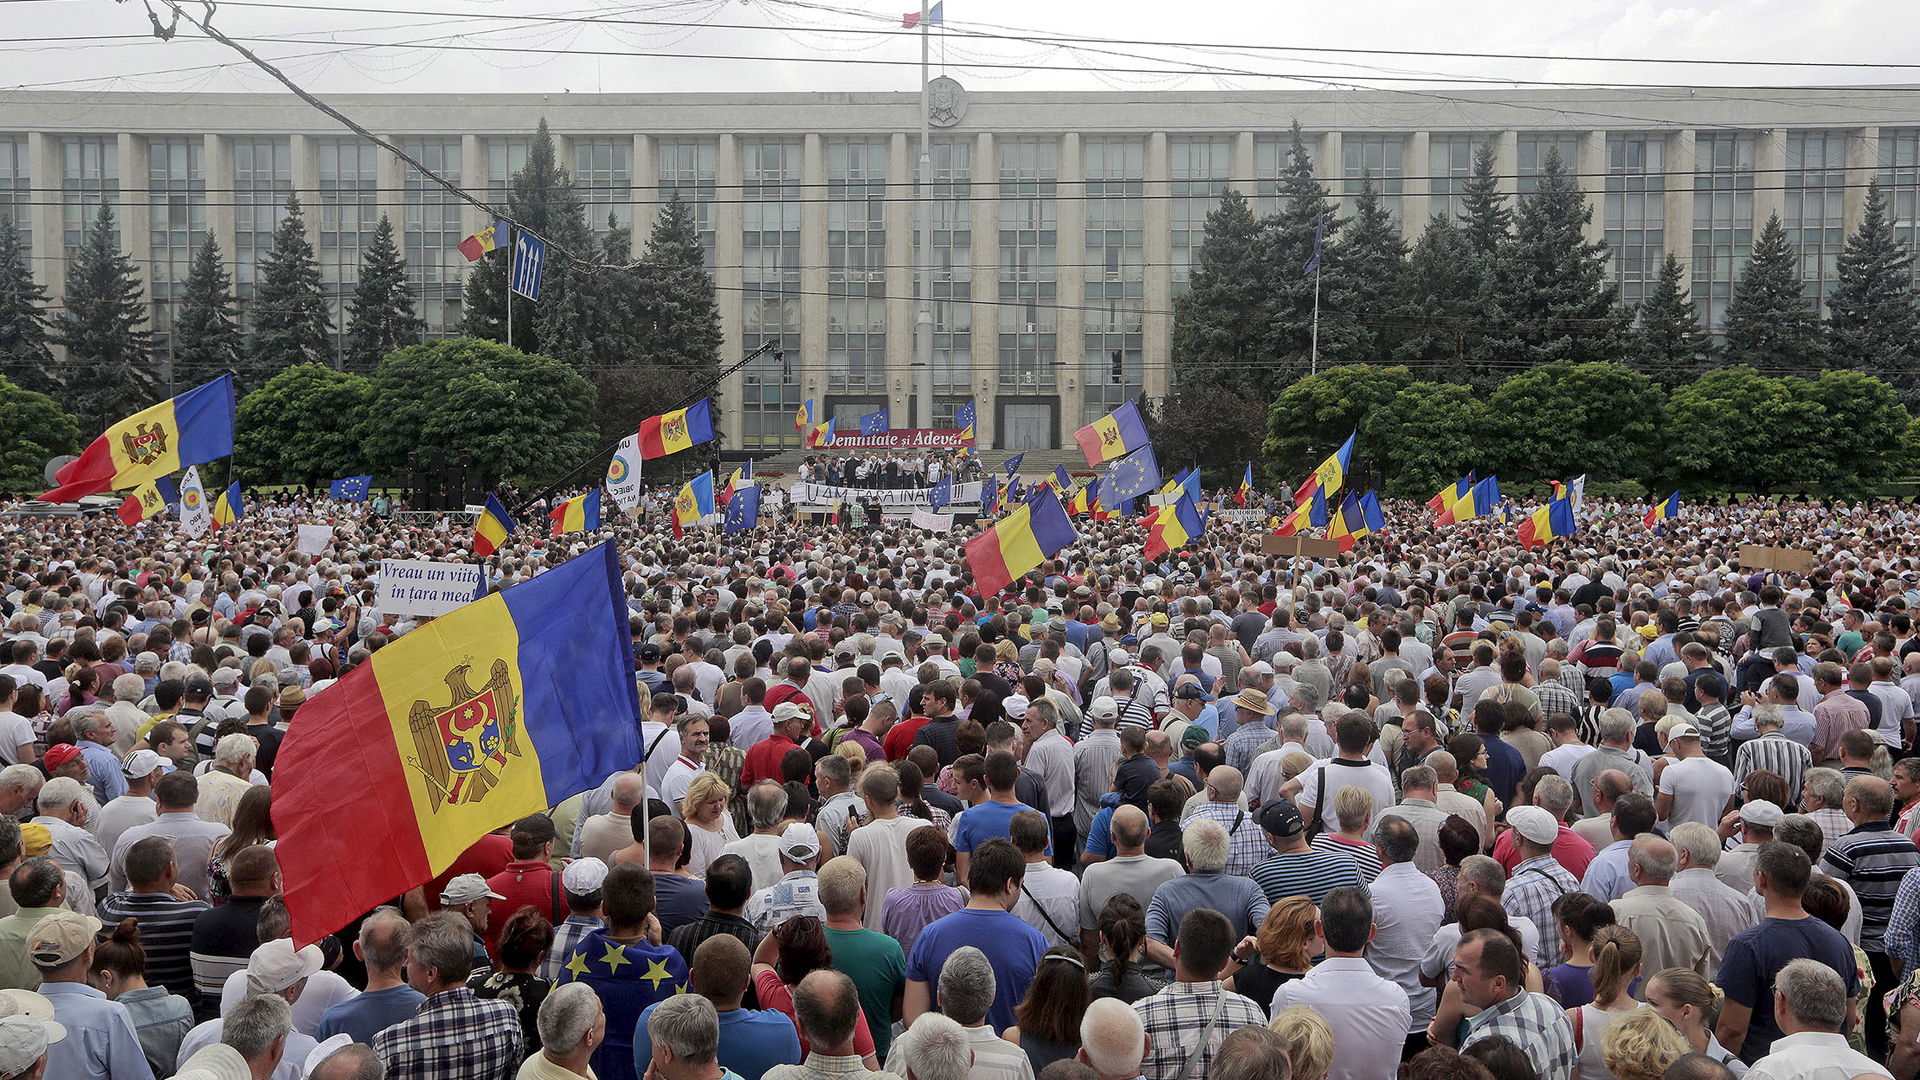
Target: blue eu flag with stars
[(351, 488), (1136, 474), (1013, 463), (942, 493), (743, 510), (874, 423)]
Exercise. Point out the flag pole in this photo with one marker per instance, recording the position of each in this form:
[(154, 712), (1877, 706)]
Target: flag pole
[(1316, 285), (922, 415), (1313, 358)]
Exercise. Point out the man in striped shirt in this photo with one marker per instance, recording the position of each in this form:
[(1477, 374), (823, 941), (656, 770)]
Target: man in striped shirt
[(1872, 859), (1772, 751), (166, 921)]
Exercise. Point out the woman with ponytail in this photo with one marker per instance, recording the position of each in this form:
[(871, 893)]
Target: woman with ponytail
[(160, 1019), (1123, 930), (1616, 964), (1578, 918), (1692, 1005)]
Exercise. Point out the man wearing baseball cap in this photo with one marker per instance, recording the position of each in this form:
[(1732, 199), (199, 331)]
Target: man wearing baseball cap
[(1297, 868), (797, 892), (141, 769), (1694, 787), (27, 1030), (469, 897), (791, 722), (102, 1041), (276, 967)]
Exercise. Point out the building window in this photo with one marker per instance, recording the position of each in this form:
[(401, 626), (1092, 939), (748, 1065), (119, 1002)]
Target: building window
[(1112, 300), (435, 268), (952, 269), (1534, 149), (1900, 176), (16, 188), (1379, 157), (1449, 167), (857, 266), (504, 158), (1722, 220), (1198, 172), (262, 180), (177, 224), (1634, 212), (1029, 179), (89, 173), (686, 170), (1815, 211), (603, 177), (770, 198), (349, 212)]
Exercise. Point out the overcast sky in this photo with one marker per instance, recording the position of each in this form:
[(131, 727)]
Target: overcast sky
[(781, 44)]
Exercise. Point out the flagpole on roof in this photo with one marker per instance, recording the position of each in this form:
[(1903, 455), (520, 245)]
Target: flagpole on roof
[(1313, 356)]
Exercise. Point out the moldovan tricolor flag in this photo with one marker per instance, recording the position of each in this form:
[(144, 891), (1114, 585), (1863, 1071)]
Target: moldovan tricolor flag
[(1019, 542), (492, 528), (229, 507), (1118, 433), (578, 514), (509, 705), (694, 502), (1668, 507), (191, 429), (146, 501), (682, 429), (1330, 475)]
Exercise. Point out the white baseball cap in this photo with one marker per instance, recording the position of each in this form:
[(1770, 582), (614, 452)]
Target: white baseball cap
[(276, 965), (141, 763), (799, 842)]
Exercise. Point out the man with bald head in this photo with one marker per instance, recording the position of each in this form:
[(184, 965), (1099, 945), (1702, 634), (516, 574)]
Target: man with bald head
[(1131, 871), (1872, 858), (1672, 934), (603, 834), (1603, 790)]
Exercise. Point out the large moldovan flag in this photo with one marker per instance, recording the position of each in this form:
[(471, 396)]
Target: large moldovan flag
[(192, 429)]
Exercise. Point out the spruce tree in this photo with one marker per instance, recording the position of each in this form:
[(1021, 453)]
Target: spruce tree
[(680, 310), (206, 335), (1873, 324), (1771, 325), (541, 199), (287, 317), (1443, 286), (1488, 219), (24, 353), (1553, 300), (1668, 344), (1306, 212), (108, 373), (1373, 263), (1218, 332), (380, 317)]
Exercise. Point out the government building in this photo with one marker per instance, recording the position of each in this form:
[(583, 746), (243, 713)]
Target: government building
[(1063, 224)]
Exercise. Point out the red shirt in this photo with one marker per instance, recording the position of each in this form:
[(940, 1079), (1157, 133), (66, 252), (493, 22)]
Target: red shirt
[(1570, 850), (488, 856), (785, 692), (763, 761), (523, 882), (900, 740)]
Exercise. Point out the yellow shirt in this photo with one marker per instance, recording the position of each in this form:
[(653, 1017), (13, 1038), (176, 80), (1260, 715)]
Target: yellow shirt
[(541, 1067)]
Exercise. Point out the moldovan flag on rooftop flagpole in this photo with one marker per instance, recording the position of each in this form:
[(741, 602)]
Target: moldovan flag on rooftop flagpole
[(682, 429), (1330, 475), (492, 528), (507, 706), (1017, 543), (578, 514), (191, 429), (1119, 432)]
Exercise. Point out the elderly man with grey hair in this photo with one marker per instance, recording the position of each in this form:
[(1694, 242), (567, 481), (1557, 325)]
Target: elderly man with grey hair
[(572, 1024), (934, 1048), (1113, 1040), (65, 808), (19, 784), (124, 716), (1616, 751), (827, 1004), (966, 993), (93, 737), (258, 1028), (1810, 1004), (354, 1061), (1205, 885), (767, 809), (1724, 909), (455, 1033), (1671, 933), (223, 785)]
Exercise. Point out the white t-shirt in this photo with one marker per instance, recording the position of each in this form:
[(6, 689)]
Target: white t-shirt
[(1439, 959), (1700, 788), (15, 731), (1339, 774), (1562, 759)]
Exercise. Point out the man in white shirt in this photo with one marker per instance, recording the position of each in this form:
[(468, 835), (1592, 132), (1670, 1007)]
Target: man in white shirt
[(1370, 1016), (1407, 911), (1049, 896), (878, 839), (1694, 787), (1810, 1004), (1568, 748), (1049, 756), (16, 732), (692, 731), (1316, 788), (136, 807)]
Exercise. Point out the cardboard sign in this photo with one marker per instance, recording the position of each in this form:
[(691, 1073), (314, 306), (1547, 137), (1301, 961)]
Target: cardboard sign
[(313, 539), (1299, 547), (419, 587), (1759, 557)]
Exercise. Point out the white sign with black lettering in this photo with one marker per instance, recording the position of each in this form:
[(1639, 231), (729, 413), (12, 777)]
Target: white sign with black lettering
[(418, 587)]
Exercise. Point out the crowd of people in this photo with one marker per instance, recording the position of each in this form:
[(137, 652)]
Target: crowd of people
[(1441, 808), (890, 469)]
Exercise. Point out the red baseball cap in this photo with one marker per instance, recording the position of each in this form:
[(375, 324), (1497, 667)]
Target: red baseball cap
[(61, 753)]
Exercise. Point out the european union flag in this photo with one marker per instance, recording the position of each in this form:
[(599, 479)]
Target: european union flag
[(1013, 463), (743, 510), (990, 496), (963, 420), (1013, 490), (942, 493), (1136, 474), (351, 488), (874, 423)]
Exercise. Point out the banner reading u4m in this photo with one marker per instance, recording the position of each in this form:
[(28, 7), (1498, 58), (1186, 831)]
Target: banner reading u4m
[(505, 707), (623, 474), (191, 429)]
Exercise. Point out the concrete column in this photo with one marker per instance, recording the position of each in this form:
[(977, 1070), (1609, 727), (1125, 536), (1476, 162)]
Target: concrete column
[(901, 158), (813, 260), (1506, 160), (134, 212), (646, 191), (727, 253), (392, 197), (474, 176), (1329, 166), (1417, 187), (1863, 164), (1769, 163), (985, 383), (1590, 167), (222, 222), (1070, 255), (49, 222), (306, 182), (1156, 329), (1243, 167), (1679, 165)]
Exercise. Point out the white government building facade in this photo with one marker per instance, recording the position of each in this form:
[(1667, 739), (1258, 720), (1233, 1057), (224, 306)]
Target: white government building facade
[(1063, 223)]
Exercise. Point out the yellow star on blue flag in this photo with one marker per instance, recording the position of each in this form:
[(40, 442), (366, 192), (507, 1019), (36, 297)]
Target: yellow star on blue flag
[(578, 965), (657, 973), (1136, 474), (616, 955)]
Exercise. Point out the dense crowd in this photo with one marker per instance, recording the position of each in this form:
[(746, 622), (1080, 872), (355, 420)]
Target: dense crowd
[(890, 469), (1443, 808)]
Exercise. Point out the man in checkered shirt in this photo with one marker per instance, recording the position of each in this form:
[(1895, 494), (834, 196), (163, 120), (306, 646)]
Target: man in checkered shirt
[(1177, 1017), (1537, 880), (1223, 805), (1491, 974), (455, 1035)]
